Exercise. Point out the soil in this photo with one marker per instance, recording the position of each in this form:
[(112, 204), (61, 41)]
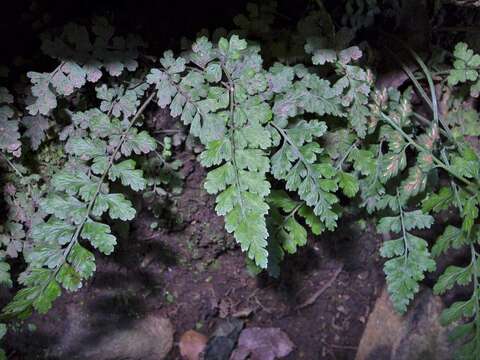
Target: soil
[(190, 271)]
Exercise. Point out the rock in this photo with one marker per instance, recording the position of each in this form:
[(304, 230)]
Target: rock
[(394, 78), (192, 343), (262, 344), (417, 335), (223, 340), (148, 339)]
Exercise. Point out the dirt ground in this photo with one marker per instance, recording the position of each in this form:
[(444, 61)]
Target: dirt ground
[(190, 271)]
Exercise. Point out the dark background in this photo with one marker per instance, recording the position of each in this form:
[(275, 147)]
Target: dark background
[(160, 23)]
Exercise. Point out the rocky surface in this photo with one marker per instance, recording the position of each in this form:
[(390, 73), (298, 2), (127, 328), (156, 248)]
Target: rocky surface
[(417, 335)]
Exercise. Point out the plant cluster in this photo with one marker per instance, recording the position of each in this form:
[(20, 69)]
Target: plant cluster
[(288, 141)]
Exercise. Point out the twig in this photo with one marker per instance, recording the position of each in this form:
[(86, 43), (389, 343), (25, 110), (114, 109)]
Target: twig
[(320, 291), (168, 131), (337, 346), (458, 29)]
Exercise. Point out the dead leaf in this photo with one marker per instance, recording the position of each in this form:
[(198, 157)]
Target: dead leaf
[(262, 344), (192, 343), (243, 313)]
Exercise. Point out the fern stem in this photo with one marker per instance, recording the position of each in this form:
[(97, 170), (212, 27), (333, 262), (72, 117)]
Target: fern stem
[(436, 117), (56, 70), (345, 156), (292, 213), (412, 77), (404, 232), (162, 159), (285, 218), (297, 152), (231, 90), (377, 167), (432, 103), (12, 165), (184, 94), (452, 183), (428, 76), (427, 122)]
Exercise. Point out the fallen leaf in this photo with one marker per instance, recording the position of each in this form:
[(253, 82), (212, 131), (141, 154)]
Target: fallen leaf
[(262, 344), (192, 343)]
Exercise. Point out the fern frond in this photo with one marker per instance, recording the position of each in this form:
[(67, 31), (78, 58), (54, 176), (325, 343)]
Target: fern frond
[(79, 199), (81, 60), (206, 97), (409, 255), (295, 162), (9, 131)]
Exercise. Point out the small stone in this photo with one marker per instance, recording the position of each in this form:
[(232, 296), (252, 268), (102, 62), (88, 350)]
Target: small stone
[(149, 339), (223, 340)]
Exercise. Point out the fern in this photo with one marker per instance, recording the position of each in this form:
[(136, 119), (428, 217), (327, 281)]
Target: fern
[(232, 131), (9, 132), (465, 68), (286, 232), (410, 255), (242, 113), (282, 145), (79, 198), (81, 60), (456, 237), (411, 258), (294, 163), (437, 150), (79, 191)]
